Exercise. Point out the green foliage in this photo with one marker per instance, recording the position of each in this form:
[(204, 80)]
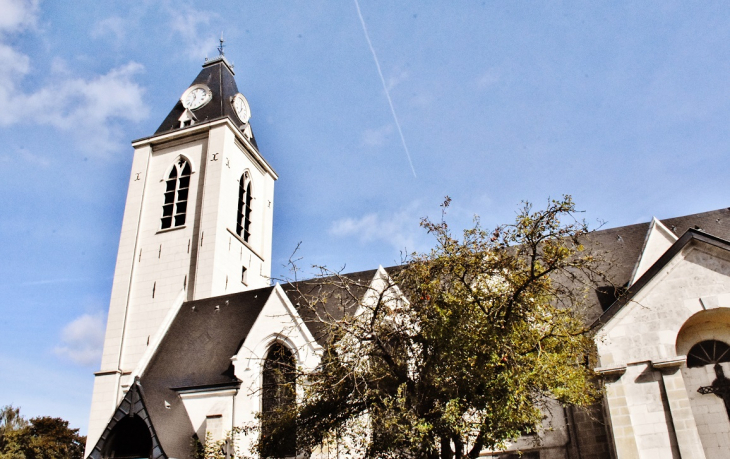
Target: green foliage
[(225, 448), (213, 449), (40, 438), (490, 332), (10, 420)]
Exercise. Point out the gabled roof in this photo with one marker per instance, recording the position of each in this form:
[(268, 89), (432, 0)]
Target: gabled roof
[(133, 404), (217, 74), (688, 237), (342, 292), (623, 246), (196, 352), (658, 240)]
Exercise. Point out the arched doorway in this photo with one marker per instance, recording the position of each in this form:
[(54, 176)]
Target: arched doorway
[(129, 439)]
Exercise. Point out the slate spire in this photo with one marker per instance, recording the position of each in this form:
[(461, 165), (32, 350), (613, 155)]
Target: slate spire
[(217, 75)]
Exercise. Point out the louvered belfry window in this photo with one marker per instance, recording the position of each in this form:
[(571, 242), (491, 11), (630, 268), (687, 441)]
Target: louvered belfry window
[(243, 220), (177, 185)]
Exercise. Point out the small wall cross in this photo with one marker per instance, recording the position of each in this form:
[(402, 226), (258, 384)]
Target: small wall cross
[(720, 387)]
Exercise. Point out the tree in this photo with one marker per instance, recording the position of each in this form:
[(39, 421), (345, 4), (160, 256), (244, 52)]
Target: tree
[(459, 351), (42, 438), (10, 419), (10, 422)]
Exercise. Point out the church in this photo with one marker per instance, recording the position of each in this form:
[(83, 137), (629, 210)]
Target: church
[(194, 324)]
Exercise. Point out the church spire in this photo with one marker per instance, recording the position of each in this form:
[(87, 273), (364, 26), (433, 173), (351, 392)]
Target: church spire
[(212, 95)]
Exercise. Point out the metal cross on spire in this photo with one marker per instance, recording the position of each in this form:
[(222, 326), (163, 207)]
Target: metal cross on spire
[(221, 52)]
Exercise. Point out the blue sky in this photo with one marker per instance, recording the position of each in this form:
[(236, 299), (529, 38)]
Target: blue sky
[(623, 105)]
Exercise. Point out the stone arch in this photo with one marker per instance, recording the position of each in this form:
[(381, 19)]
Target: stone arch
[(177, 160), (254, 356), (705, 334), (711, 324)]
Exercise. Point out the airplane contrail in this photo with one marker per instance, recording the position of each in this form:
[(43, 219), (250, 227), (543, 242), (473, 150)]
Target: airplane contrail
[(385, 88)]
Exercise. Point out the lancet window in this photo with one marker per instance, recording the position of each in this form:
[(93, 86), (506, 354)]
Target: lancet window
[(278, 398), (177, 184)]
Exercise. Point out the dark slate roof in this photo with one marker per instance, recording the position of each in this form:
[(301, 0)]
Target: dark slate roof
[(218, 76), (196, 352), (689, 236), (623, 247), (342, 293)]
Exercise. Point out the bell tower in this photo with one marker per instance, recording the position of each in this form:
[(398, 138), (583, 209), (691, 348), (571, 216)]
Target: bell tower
[(197, 224)]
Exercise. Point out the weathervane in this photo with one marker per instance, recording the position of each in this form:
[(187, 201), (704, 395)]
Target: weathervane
[(220, 48)]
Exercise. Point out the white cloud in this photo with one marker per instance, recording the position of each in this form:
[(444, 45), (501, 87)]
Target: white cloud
[(400, 229), (17, 14), (187, 22), (377, 137), (14, 63), (85, 107), (114, 27), (82, 340), (189, 28), (59, 67)]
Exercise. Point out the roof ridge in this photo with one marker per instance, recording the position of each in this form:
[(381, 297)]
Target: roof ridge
[(688, 236)]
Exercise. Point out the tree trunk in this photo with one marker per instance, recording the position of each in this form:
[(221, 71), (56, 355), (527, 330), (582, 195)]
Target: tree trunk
[(458, 447), (446, 452), (477, 448)]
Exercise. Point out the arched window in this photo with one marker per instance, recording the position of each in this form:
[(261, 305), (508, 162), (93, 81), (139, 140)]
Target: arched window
[(708, 352), (278, 398), (176, 195), (243, 219)]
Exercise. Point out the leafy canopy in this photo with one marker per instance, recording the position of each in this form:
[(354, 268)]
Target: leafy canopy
[(40, 438), (460, 350)]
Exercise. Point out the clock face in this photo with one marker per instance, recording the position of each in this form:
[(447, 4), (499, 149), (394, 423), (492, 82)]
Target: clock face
[(240, 106), (196, 96)]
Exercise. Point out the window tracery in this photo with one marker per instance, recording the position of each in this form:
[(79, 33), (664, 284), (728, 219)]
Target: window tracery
[(708, 352), (177, 184)]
